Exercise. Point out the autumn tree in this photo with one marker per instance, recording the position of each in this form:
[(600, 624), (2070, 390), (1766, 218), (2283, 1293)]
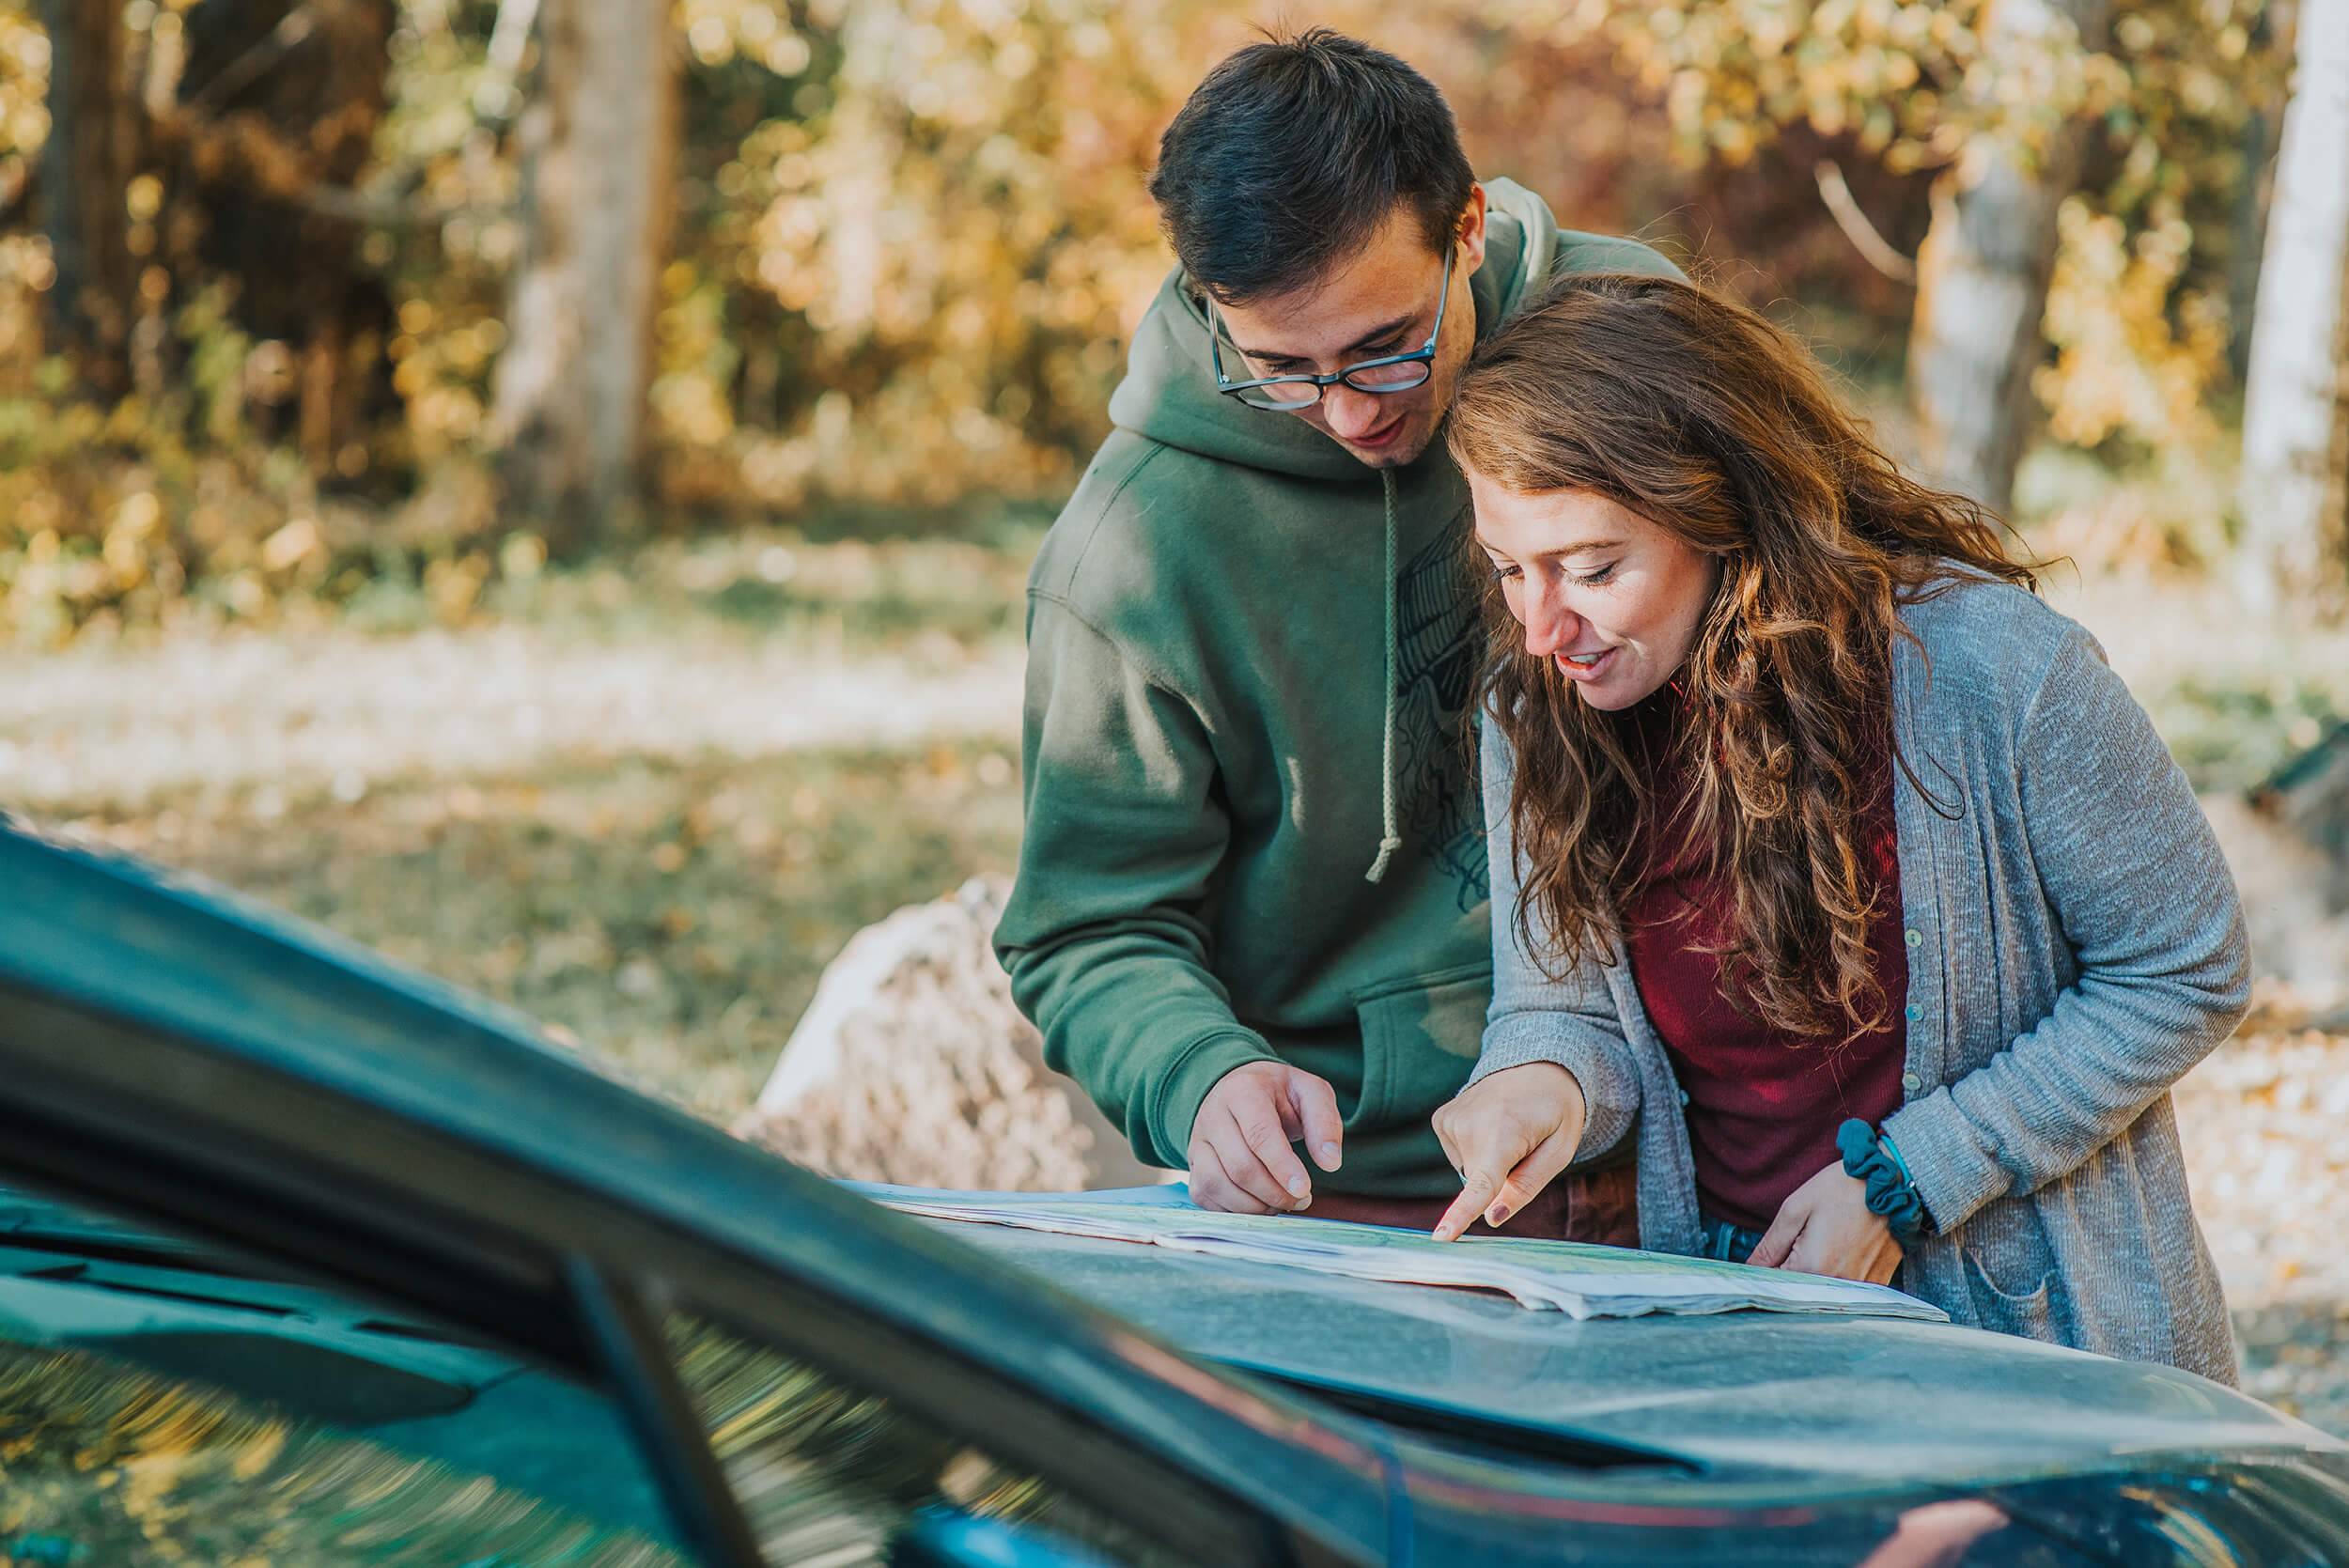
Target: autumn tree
[(2295, 420), (598, 145), (2074, 148), (259, 145), (85, 169), (1982, 273)]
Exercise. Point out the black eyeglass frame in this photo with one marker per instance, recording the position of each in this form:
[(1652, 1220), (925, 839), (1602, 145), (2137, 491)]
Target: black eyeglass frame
[(1425, 355)]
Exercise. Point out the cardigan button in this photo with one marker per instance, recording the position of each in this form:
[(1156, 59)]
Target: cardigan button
[(1684, 1097), (1915, 1011), (1911, 1082), (1914, 936)]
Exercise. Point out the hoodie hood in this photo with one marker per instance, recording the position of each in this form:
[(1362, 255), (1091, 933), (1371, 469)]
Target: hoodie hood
[(1169, 396), (1168, 391)]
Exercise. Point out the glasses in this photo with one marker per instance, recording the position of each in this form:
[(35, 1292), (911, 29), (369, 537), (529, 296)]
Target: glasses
[(1294, 394)]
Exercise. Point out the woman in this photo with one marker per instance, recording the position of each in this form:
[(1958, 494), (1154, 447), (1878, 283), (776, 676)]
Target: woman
[(1828, 864)]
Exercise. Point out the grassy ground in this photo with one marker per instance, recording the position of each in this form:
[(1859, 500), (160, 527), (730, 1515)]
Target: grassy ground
[(645, 801), (673, 914)]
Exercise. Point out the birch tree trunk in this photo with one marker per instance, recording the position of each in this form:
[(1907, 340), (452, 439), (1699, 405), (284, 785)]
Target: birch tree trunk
[(1983, 271), (598, 147), (85, 166), (2262, 136), (2296, 414)]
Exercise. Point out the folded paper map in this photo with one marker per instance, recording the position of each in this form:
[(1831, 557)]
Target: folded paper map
[(1578, 1280)]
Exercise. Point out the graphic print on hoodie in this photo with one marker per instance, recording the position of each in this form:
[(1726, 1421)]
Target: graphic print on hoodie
[(1205, 753), (1438, 648)]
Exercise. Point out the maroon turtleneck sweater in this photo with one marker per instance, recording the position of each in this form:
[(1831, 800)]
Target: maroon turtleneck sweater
[(1762, 1106)]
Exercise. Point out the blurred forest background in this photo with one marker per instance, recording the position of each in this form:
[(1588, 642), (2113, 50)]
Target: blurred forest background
[(544, 486), (303, 298)]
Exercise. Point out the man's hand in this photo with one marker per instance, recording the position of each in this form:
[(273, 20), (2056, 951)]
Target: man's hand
[(1239, 1155), (1508, 1135), (1825, 1228)]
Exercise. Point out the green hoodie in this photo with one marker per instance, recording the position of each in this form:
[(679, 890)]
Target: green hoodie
[(1227, 716)]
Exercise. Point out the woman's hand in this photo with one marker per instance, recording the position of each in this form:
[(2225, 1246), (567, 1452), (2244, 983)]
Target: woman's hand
[(1508, 1135), (1825, 1228)]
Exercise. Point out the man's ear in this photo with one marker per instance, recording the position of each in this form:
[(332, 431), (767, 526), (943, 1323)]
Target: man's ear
[(1472, 229)]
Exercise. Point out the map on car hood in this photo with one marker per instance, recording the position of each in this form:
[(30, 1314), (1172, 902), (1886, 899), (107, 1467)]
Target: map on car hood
[(1581, 1279)]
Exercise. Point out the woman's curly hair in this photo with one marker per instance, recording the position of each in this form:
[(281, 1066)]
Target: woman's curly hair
[(1703, 417)]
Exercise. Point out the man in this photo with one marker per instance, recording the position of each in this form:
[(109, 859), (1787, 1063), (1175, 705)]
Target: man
[(1251, 906)]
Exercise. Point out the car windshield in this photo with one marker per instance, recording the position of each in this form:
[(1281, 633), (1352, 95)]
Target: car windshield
[(168, 1401)]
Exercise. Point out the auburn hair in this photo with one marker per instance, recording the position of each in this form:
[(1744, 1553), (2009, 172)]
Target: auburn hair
[(1703, 417)]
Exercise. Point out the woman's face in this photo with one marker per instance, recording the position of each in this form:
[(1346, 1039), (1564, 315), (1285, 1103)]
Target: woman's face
[(1606, 596)]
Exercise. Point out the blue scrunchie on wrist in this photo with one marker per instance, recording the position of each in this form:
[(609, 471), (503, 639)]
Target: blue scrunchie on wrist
[(1890, 1192)]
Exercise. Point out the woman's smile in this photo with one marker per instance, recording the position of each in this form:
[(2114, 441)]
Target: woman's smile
[(1610, 599)]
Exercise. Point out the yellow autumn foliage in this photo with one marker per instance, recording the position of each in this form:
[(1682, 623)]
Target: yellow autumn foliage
[(914, 236)]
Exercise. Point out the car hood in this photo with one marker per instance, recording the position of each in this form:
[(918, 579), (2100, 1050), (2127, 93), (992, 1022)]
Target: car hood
[(1770, 1398)]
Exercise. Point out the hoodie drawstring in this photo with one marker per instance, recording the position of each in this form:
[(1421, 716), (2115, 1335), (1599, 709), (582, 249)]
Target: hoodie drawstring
[(1393, 841)]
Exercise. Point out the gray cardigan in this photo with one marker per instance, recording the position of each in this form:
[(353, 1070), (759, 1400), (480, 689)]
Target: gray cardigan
[(2074, 944)]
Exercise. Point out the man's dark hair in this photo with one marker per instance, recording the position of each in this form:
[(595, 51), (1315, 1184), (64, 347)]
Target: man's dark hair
[(1291, 155)]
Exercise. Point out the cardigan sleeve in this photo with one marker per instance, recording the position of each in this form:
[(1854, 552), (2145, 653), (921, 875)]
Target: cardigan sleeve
[(1571, 1019), (2138, 887)]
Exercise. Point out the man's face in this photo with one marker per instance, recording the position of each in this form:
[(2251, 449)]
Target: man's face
[(1383, 302)]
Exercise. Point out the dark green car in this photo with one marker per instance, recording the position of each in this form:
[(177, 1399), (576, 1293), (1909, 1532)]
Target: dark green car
[(307, 1261)]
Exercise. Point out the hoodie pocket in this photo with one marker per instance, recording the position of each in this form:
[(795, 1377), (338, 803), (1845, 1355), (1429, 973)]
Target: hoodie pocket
[(1421, 1038)]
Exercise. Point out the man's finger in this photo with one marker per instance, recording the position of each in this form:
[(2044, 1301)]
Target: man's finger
[(1211, 1190), (1203, 1177), (1242, 1166), (1228, 1154), (1475, 1192), (1260, 1128), (1248, 1177), (1315, 1105), (1237, 1201)]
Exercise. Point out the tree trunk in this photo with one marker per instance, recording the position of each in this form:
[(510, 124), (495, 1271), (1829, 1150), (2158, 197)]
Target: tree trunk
[(597, 147), (85, 168), (2261, 135), (275, 113), (2296, 414), (1983, 271)]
